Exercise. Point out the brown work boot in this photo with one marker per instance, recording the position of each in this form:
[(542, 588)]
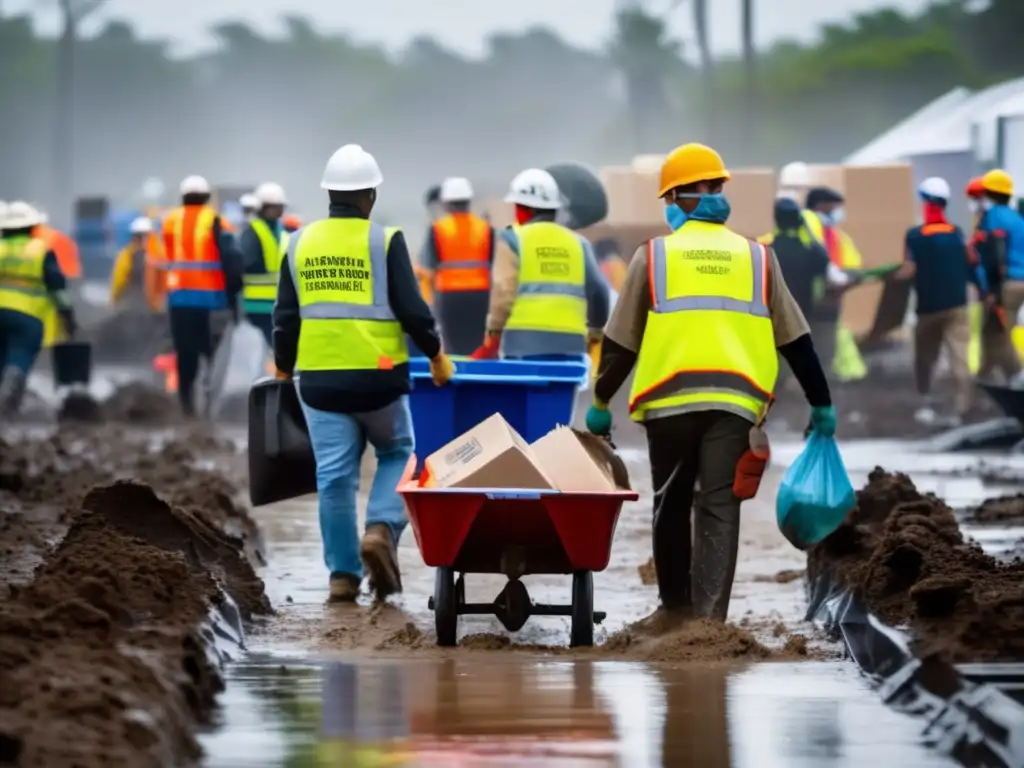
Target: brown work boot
[(381, 560), (344, 588)]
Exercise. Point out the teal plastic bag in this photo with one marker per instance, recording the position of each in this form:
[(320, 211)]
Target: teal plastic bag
[(815, 495)]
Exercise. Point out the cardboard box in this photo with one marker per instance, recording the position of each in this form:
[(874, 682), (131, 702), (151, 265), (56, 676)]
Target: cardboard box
[(751, 193), (573, 466), (490, 455)]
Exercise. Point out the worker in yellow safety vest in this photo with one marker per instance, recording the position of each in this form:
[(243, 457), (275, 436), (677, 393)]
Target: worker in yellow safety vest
[(701, 315), (31, 287), (346, 299), (262, 244), (549, 299)]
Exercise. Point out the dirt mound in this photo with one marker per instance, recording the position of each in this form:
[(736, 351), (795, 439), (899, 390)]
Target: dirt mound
[(134, 403), (660, 637), (1003, 509), (104, 653), (904, 555)]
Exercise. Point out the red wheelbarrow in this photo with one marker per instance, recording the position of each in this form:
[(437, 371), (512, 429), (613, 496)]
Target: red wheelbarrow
[(515, 533)]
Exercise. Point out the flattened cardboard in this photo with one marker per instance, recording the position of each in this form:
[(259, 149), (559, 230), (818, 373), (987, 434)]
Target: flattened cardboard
[(490, 455)]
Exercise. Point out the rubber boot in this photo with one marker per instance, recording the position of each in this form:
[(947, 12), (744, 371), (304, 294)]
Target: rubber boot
[(12, 390), (716, 541), (344, 588), (377, 551)]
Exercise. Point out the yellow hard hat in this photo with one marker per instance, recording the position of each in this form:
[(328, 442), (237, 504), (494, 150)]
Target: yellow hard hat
[(689, 164), (997, 181)]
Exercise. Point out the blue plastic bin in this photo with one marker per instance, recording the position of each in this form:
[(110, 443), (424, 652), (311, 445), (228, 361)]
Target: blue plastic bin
[(533, 397)]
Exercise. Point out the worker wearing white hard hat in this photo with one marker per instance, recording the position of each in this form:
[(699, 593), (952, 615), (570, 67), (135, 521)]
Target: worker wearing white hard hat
[(456, 258), (249, 204), (204, 279), (136, 280), (548, 296), (31, 285), (938, 263), (346, 300), (263, 242)]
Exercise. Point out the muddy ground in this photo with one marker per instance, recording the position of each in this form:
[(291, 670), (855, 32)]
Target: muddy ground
[(114, 592), (904, 554)]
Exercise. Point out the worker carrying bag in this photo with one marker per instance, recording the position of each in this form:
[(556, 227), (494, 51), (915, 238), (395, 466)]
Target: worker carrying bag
[(281, 462)]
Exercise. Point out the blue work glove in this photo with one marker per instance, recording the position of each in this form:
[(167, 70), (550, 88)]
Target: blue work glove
[(823, 420), (599, 420)]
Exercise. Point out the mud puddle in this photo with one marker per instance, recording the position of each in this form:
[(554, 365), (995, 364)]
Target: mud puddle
[(465, 711)]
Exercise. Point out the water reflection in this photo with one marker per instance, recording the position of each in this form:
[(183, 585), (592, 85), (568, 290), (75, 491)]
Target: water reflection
[(473, 712)]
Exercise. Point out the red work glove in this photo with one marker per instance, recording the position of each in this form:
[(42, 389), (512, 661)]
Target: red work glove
[(489, 349)]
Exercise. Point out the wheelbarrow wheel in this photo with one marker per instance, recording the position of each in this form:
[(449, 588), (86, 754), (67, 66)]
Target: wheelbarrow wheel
[(446, 607), (582, 632)]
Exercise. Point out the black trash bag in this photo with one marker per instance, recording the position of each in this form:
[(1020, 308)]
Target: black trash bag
[(586, 202), (72, 363), (281, 463)]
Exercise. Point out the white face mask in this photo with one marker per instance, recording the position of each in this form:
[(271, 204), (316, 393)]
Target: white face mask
[(974, 206), (987, 204), (838, 215)]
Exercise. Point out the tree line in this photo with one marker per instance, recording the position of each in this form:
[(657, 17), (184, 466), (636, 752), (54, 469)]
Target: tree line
[(101, 114)]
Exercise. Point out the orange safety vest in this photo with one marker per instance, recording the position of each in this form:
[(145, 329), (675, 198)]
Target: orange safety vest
[(463, 242), (195, 275), (63, 247)]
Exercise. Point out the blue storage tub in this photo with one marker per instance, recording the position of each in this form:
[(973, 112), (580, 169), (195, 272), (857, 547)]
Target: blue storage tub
[(533, 397)]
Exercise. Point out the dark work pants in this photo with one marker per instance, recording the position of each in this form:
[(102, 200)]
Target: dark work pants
[(463, 319), (696, 561), (192, 334)]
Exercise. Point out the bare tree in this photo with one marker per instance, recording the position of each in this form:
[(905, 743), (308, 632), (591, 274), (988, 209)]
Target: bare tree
[(73, 12), (749, 73)]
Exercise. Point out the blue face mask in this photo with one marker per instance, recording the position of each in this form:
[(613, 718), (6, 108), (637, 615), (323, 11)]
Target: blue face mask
[(714, 208), (675, 216)]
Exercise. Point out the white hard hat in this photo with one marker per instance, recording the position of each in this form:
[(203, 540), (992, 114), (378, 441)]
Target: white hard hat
[(194, 185), (351, 168), (535, 188), (270, 193), (796, 174), (249, 201), (21, 215), (141, 226), (456, 189), (935, 187)]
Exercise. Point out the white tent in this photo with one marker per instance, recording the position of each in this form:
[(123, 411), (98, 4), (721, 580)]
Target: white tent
[(960, 121)]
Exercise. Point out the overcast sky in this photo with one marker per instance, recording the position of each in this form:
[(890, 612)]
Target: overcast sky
[(464, 24)]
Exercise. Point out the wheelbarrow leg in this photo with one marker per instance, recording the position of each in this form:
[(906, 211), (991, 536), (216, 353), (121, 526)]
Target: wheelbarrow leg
[(446, 606), (582, 632)]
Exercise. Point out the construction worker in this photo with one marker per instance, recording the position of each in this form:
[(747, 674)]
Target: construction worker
[(346, 299), (135, 281), (250, 205), (31, 285), (548, 298), (204, 277), (457, 255), (999, 245), (938, 262), (701, 315), (262, 244)]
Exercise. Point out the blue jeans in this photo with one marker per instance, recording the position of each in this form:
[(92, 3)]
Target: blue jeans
[(338, 442), (21, 338)]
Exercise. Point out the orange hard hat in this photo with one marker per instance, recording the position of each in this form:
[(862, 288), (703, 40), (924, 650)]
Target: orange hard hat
[(975, 187), (291, 221), (689, 164), (998, 181)]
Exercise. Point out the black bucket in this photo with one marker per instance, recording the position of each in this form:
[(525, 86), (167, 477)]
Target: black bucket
[(281, 463), (1010, 400), (72, 363)]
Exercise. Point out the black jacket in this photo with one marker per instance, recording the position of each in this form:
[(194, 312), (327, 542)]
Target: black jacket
[(356, 391)]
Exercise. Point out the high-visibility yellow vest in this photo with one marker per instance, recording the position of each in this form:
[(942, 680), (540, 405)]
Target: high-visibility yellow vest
[(849, 256), (709, 342), (552, 278), (22, 286), (263, 287), (341, 280)]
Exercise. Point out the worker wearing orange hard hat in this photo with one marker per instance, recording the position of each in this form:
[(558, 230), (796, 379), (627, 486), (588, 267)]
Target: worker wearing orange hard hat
[(704, 315), (999, 245)]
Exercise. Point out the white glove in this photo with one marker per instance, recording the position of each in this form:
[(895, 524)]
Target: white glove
[(835, 277)]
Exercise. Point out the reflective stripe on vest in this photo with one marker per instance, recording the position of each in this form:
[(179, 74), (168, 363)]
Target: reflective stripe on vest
[(262, 287), (706, 344), (552, 279), (22, 284), (339, 268), (193, 258), (463, 243)]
